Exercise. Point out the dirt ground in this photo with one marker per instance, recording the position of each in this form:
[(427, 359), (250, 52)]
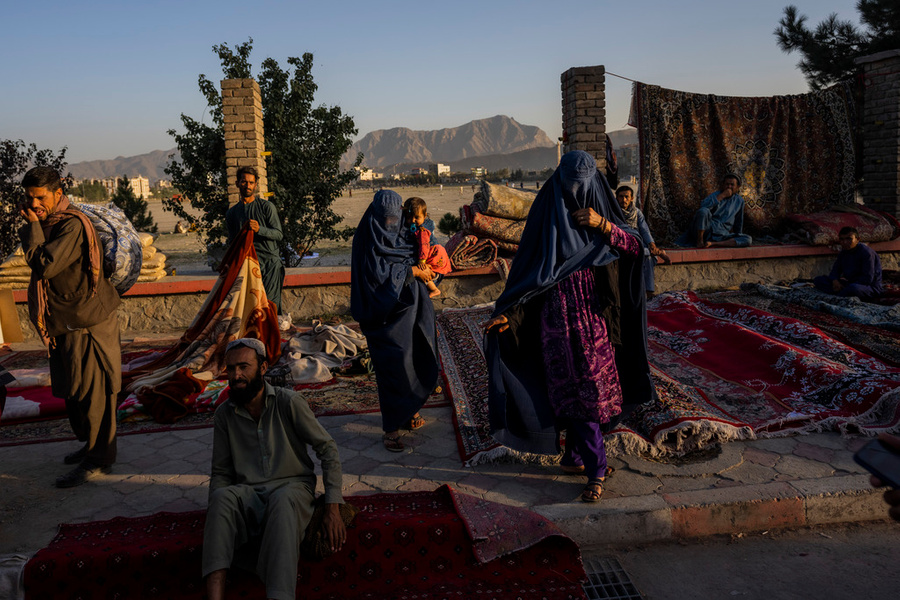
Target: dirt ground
[(186, 253)]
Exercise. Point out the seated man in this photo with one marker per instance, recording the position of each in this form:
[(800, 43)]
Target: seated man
[(720, 219), (634, 218), (263, 482), (856, 272)]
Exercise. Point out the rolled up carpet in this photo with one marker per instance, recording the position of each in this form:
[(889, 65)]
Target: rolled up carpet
[(497, 228), (506, 202), (469, 252)]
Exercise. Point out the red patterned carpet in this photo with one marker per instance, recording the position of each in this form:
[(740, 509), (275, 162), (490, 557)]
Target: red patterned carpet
[(418, 545), (723, 371)]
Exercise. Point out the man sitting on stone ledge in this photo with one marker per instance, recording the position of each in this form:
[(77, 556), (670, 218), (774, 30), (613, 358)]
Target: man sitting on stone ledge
[(719, 221), (856, 272), (263, 482)]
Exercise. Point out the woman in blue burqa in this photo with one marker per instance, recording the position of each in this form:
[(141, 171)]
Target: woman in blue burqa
[(567, 343), (389, 299)]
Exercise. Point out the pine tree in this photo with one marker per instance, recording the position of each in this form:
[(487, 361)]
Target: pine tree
[(134, 208), (829, 50)]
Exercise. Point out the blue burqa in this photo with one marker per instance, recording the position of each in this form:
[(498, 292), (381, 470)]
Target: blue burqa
[(552, 248), (393, 310)]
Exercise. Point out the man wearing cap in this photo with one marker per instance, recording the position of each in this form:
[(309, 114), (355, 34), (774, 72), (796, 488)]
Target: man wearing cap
[(263, 482), (720, 219)]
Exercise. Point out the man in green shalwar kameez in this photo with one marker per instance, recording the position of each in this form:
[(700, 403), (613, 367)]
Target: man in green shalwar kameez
[(266, 225)]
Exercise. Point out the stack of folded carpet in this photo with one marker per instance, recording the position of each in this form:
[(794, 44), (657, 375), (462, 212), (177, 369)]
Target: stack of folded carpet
[(153, 266), (492, 223), (14, 271)]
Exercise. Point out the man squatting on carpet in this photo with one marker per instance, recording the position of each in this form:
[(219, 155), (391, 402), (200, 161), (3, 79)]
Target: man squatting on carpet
[(856, 272), (73, 308), (720, 219), (263, 482), (266, 225)]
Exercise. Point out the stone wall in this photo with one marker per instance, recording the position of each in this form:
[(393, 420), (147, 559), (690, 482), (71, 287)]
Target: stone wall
[(881, 130), (584, 111), (244, 134), (172, 314)]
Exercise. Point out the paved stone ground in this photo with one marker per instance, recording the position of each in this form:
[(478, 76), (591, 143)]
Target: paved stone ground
[(748, 486)]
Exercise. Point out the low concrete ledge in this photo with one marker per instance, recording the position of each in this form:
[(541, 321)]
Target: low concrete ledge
[(702, 513), (700, 255)]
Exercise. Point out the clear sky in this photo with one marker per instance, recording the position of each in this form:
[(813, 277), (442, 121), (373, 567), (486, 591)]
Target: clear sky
[(109, 78)]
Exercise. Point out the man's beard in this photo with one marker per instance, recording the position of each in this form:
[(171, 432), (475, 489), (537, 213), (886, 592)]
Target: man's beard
[(243, 396)]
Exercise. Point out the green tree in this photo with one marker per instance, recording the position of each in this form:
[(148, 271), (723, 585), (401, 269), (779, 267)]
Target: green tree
[(134, 208), (91, 191), (16, 157), (449, 224), (830, 49), (303, 171)]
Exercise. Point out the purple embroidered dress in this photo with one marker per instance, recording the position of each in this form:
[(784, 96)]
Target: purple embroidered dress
[(582, 381), (580, 367)]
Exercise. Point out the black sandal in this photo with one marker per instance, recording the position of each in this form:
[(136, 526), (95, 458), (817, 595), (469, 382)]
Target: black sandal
[(392, 443), (592, 491)]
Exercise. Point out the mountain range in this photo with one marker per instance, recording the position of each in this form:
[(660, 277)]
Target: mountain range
[(493, 143), (484, 137)]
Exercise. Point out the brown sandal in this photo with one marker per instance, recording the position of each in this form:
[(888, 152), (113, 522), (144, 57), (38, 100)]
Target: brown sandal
[(392, 443), (592, 491), (417, 422)]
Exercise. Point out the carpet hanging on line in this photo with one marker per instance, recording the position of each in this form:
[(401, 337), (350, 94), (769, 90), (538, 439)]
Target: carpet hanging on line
[(426, 545), (795, 154)]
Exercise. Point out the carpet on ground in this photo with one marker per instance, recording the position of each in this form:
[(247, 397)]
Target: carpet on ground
[(340, 396), (881, 342), (425, 545), (849, 307), (681, 420), (776, 374), (29, 399), (722, 372), (794, 154)]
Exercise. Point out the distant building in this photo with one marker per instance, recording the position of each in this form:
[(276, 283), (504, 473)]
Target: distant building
[(164, 184), (139, 185), (367, 174), (439, 169), (418, 171), (628, 157), (479, 172)]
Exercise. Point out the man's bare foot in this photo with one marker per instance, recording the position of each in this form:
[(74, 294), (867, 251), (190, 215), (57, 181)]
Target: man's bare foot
[(433, 293)]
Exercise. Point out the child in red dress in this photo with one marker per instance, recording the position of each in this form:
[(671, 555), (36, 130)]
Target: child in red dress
[(434, 255)]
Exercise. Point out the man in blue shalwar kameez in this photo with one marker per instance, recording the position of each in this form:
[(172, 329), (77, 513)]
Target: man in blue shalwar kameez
[(856, 272), (266, 225), (720, 219)]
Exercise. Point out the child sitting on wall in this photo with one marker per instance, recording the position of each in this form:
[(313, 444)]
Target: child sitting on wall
[(415, 212)]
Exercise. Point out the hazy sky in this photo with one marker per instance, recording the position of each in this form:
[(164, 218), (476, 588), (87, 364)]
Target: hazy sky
[(108, 79)]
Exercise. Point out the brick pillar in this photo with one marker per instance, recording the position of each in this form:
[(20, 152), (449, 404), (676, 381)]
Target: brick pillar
[(584, 111), (244, 135), (881, 130)]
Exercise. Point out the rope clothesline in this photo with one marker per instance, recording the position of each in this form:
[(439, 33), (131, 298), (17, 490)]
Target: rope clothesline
[(621, 77)]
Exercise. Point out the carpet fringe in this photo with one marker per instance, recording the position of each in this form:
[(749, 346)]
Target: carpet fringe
[(676, 441)]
